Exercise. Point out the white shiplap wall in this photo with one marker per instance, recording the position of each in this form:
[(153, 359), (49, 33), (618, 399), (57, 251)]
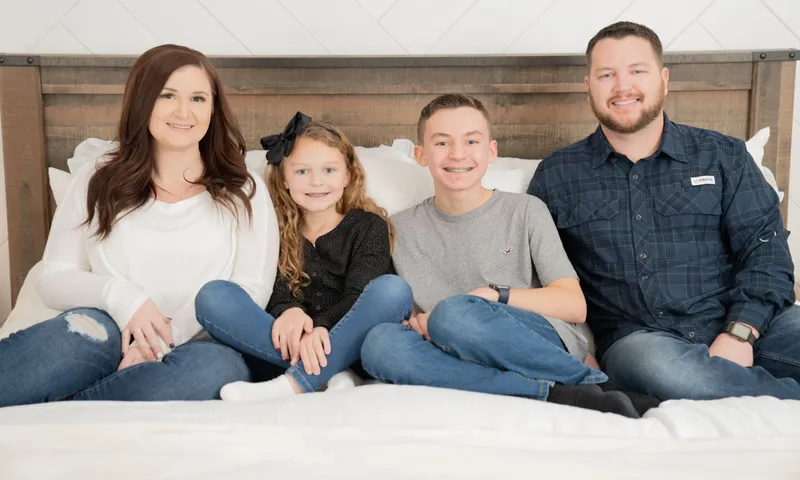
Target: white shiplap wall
[(388, 27)]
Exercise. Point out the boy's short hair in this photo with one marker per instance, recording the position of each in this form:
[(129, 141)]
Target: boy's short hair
[(620, 30), (446, 102)]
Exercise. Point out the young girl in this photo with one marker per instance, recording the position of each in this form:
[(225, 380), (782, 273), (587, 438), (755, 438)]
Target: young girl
[(137, 235), (333, 284)]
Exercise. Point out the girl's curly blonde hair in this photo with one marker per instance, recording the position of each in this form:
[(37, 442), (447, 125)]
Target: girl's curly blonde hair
[(290, 216)]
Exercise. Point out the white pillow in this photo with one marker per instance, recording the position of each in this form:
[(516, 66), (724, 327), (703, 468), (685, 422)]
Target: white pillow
[(512, 180), (59, 183), (29, 309), (527, 166), (256, 161), (394, 180), (755, 146), (88, 150), (406, 146)]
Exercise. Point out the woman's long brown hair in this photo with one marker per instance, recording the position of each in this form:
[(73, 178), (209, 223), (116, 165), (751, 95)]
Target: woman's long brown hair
[(124, 182), (290, 216)]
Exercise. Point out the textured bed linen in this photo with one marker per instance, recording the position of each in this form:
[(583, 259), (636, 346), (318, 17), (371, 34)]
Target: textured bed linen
[(386, 431)]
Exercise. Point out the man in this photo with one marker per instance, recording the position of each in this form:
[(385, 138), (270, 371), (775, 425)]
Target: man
[(496, 296), (676, 237)]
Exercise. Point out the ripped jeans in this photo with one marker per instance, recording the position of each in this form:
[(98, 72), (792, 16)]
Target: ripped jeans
[(75, 356)]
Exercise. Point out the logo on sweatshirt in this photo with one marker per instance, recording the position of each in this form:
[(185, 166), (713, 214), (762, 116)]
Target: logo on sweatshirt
[(507, 250)]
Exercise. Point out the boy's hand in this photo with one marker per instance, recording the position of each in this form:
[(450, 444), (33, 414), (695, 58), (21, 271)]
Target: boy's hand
[(419, 323)]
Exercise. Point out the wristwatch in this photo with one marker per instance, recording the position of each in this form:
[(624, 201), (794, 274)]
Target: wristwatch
[(503, 290), (741, 332)]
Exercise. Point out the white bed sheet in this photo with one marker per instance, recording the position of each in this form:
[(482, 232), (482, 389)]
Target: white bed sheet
[(387, 432)]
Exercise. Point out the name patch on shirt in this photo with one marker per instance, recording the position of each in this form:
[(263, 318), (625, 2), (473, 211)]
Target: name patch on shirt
[(703, 180)]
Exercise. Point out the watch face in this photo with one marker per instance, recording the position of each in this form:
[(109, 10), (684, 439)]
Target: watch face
[(740, 331)]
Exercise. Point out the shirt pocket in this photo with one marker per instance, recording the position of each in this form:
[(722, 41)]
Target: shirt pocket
[(689, 221), (586, 212), (690, 200), (591, 232)]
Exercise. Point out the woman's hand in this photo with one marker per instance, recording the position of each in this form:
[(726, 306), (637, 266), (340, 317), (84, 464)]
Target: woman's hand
[(146, 326), (132, 357)]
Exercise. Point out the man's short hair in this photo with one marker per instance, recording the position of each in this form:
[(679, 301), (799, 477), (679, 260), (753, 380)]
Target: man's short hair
[(449, 101), (622, 30)]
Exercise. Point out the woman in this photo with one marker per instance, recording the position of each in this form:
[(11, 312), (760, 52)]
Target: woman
[(137, 235)]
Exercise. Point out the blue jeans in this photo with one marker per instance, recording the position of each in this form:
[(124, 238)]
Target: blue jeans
[(75, 356), (667, 366), (229, 315), (476, 345)]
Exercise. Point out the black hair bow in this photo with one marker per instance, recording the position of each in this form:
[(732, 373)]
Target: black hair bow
[(280, 145)]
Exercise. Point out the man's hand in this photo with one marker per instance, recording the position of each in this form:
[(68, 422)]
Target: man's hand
[(730, 348), (419, 323), (485, 292)]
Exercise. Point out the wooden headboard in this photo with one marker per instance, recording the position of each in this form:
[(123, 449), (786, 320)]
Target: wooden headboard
[(49, 104)]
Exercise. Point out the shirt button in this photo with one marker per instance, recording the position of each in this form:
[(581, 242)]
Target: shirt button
[(691, 334), (638, 217), (636, 177), (645, 277), (318, 308), (642, 256), (319, 294), (659, 313)]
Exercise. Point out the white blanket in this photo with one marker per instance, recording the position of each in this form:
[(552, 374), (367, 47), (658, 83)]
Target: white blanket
[(386, 431)]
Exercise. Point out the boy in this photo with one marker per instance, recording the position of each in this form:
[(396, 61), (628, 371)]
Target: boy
[(496, 297)]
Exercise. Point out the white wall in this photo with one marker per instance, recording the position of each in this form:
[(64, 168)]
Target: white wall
[(393, 27)]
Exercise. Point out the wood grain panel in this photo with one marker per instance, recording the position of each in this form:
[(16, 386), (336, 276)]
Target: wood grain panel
[(772, 101), (372, 120), (25, 170), (397, 81)]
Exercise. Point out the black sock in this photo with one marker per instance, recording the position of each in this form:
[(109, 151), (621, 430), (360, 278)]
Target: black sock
[(642, 402), (593, 397)]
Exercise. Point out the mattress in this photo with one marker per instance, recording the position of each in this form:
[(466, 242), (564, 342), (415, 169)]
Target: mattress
[(388, 432)]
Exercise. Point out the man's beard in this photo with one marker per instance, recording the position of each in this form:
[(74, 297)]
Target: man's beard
[(645, 119)]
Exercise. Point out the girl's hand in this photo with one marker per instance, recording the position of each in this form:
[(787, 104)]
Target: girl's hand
[(287, 331), (313, 350)]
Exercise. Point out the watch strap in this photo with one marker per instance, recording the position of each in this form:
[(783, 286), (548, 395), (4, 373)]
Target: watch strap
[(503, 291), (729, 327)]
